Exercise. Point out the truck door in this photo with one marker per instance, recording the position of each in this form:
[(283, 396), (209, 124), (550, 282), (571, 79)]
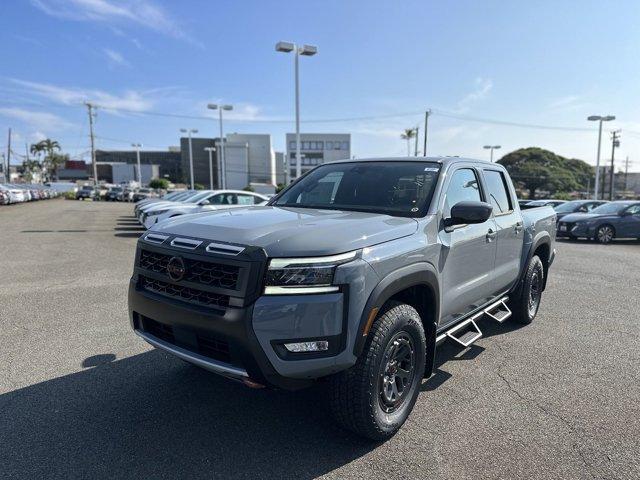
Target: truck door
[(468, 251), (509, 227)]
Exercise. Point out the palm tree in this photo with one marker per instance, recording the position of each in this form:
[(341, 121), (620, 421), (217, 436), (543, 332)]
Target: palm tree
[(407, 135), (52, 159)]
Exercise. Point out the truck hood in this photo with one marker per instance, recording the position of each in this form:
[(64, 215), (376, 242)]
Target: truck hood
[(292, 232)]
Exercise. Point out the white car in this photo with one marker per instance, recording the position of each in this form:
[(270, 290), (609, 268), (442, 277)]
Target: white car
[(214, 200), (193, 197), (15, 194)]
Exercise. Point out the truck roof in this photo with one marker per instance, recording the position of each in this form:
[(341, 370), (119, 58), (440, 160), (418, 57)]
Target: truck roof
[(442, 160)]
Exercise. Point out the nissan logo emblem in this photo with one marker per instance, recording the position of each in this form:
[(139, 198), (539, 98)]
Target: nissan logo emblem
[(176, 269)]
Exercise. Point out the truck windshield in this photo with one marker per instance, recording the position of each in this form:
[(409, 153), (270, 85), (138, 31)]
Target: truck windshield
[(393, 188)]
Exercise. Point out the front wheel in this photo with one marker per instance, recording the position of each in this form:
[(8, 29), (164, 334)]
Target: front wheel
[(605, 234), (375, 396)]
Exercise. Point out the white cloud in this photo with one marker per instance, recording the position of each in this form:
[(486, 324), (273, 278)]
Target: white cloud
[(567, 103), (35, 119), (128, 100), (482, 88), (115, 58), (140, 12)]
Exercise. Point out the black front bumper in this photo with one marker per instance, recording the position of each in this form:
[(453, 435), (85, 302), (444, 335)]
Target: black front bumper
[(222, 339)]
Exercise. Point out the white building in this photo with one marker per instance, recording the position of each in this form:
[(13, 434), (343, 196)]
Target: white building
[(316, 149)]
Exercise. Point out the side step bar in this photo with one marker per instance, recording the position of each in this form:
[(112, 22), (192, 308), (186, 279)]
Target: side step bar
[(497, 311)]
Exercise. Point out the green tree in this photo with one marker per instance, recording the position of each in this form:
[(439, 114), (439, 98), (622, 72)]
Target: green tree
[(198, 186), (536, 169), (30, 167), (407, 135), (161, 183), (249, 188), (52, 159), (53, 162)]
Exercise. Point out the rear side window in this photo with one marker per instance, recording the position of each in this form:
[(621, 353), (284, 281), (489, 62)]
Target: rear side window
[(497, 192), (463, 187)]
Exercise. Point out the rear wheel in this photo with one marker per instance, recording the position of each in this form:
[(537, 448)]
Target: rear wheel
[(525, 306), (376, 395), (605, 234)]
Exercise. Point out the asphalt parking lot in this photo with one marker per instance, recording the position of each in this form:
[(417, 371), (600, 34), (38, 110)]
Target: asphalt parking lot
[(82, 397)]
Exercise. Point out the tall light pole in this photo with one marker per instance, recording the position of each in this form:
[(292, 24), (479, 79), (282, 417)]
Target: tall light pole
[(492, 148), (190, 131), (599, 118), (223, 164), (137, 146), (307, 51), (210, 150)]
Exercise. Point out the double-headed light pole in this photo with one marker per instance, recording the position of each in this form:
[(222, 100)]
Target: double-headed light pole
[(307, 51), (223, 165), (189, 132), (492, 148), (600, 119), (138, 146)]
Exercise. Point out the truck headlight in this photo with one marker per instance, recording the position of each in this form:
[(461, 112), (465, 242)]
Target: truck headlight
[(288, 276)]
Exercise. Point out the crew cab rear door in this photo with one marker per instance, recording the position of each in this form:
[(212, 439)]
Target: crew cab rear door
[(468, 251), (510, 228)]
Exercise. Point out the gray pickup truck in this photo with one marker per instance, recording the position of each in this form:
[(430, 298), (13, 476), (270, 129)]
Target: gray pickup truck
[(352, 276)]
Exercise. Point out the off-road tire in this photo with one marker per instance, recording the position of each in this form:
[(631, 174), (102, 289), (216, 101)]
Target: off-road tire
[(523, 310), (356, 397)]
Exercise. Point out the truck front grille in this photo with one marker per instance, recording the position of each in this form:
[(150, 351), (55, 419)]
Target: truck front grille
[(197, 271), (181, 292)]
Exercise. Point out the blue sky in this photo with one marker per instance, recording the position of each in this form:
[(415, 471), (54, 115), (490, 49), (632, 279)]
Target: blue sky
[(379, 65)]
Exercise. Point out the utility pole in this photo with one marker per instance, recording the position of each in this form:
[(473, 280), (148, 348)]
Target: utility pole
[(139, 174), (415, 149), (7, 172), (90, 108), (615, 142), (426, 125), (626, 172)]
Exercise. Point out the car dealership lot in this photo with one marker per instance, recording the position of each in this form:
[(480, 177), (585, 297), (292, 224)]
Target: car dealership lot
[(82, 397)]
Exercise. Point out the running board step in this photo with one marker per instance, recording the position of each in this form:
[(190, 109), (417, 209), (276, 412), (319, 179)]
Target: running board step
[(465, 333), (498, 311)]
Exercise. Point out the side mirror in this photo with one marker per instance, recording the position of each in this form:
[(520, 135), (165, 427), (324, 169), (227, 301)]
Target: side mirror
[(205, 202), (464, 213), (626, 213)]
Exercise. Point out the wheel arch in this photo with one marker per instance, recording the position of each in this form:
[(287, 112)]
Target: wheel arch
[(417, 285)]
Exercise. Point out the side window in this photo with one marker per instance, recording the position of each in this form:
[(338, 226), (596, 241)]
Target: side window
[(217, 199), (246, 199), (463, 187), (634, 210), (497, 192)]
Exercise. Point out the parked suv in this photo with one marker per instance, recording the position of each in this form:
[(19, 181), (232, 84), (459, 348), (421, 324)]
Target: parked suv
[(87, 191), (353, 274)]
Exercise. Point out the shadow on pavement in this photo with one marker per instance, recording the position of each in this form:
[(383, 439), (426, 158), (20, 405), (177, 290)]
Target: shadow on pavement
[(152, 416), (134, 234)]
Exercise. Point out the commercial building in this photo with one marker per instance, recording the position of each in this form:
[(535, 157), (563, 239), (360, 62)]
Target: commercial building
[(74, 170), (168, 161), (316, 149), (120, 172), (249, 158)]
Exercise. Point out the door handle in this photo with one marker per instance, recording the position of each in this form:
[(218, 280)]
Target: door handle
[(491, 235), (518, 227)]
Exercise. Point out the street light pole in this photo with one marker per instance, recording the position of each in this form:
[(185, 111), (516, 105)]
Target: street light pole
[(137, 147), (210, 150), (615, 142), (308, 51), (600, 119), (491, 148), (189, 132), (223, 164)]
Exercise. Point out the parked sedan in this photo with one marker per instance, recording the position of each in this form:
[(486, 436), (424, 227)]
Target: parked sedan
[(577, 206), (216, 200), (114, 194), (16, 195), (87, 191), (545, 203), (612, 220)]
